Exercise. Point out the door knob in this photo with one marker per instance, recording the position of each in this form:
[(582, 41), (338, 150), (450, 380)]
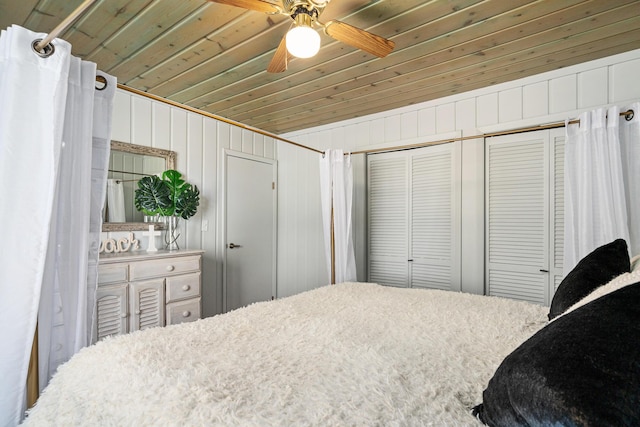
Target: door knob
[(232, 245)]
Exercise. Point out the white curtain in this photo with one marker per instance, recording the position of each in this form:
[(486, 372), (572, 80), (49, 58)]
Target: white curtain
[(336, 192), (601, 164), (115, 200), (630, 151), (54, 146)]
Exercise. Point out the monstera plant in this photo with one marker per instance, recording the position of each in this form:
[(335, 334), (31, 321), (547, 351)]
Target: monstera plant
[(169, 196)]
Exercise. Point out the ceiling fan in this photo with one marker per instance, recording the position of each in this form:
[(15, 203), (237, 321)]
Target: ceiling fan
[(302, 40)]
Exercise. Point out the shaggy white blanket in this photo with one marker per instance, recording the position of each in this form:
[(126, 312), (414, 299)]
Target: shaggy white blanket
[(353, 354)]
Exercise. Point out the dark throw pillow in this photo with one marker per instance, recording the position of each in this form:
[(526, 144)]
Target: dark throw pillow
[(583, 369), (593, 271)]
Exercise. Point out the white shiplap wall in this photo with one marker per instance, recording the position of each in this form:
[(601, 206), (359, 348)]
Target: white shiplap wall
[(198, 141), (543, 98), (548, 97), (301, 262)]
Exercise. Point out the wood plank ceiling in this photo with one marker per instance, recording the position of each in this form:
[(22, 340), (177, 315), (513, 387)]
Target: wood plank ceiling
[(213, 57)]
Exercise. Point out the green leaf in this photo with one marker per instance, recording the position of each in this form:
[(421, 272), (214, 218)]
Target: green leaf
[(153, 196), (175, 182), (188, 201)]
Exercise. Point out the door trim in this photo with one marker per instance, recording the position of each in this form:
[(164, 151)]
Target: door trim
[(222, 214)]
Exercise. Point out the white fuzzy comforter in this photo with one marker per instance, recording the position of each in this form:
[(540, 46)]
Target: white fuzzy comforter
[(353, 354)]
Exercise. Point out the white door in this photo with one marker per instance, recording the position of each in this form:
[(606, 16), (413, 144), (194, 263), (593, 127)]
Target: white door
[(524, 214), (388, 192), (434, 219), (250, 217)]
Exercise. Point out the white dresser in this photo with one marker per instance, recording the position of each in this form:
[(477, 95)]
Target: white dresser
[(138, 290)]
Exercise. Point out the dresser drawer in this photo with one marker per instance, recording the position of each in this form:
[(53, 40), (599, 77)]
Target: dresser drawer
[(183, 287), (112, 273), (183, 311), (164, 267)]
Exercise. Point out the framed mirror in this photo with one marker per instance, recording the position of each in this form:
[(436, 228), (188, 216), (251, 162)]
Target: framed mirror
[(128, 163)]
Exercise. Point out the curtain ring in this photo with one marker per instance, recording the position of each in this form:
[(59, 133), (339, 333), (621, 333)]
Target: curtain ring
[(101, 83), (46, 52), (628, 115)]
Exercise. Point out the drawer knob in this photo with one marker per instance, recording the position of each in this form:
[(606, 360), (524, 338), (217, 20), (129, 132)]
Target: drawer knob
[(186, 287), (186, 313), (170, 267)]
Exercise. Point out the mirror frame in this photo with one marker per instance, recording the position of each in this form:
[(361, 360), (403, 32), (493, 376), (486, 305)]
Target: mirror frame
[(170, 159)]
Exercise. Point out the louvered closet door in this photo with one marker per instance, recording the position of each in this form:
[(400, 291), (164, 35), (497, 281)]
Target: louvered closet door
[(524, 215), (388, 190), (433, 226), (414, 219)]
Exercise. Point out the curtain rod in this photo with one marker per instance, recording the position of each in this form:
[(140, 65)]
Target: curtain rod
[(118, 180), (62, 26), (627, 114), (213, 116)]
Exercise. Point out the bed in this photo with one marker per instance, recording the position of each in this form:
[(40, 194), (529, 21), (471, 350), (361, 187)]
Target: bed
[(348, 354)]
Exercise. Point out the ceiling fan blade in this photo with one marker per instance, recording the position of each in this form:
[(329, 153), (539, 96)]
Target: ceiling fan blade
[(257, 5), (280, 59), (356, 37)]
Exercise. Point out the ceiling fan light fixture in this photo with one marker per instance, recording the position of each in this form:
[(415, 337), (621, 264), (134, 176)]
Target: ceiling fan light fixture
[(303, 42)]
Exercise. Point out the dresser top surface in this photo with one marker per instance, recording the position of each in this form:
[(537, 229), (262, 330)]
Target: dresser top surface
[(144, 255)]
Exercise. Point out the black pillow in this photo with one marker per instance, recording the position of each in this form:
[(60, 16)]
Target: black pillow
[(583, 369), (593, 271)]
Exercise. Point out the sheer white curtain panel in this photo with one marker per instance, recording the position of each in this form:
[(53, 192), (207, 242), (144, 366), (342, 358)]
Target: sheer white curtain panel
[(600, 175), (67, 302), (336, 192), (630, 151), (47, 113), (115, 200)]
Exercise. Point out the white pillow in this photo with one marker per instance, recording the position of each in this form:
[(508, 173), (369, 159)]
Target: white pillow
[(625, 279)]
